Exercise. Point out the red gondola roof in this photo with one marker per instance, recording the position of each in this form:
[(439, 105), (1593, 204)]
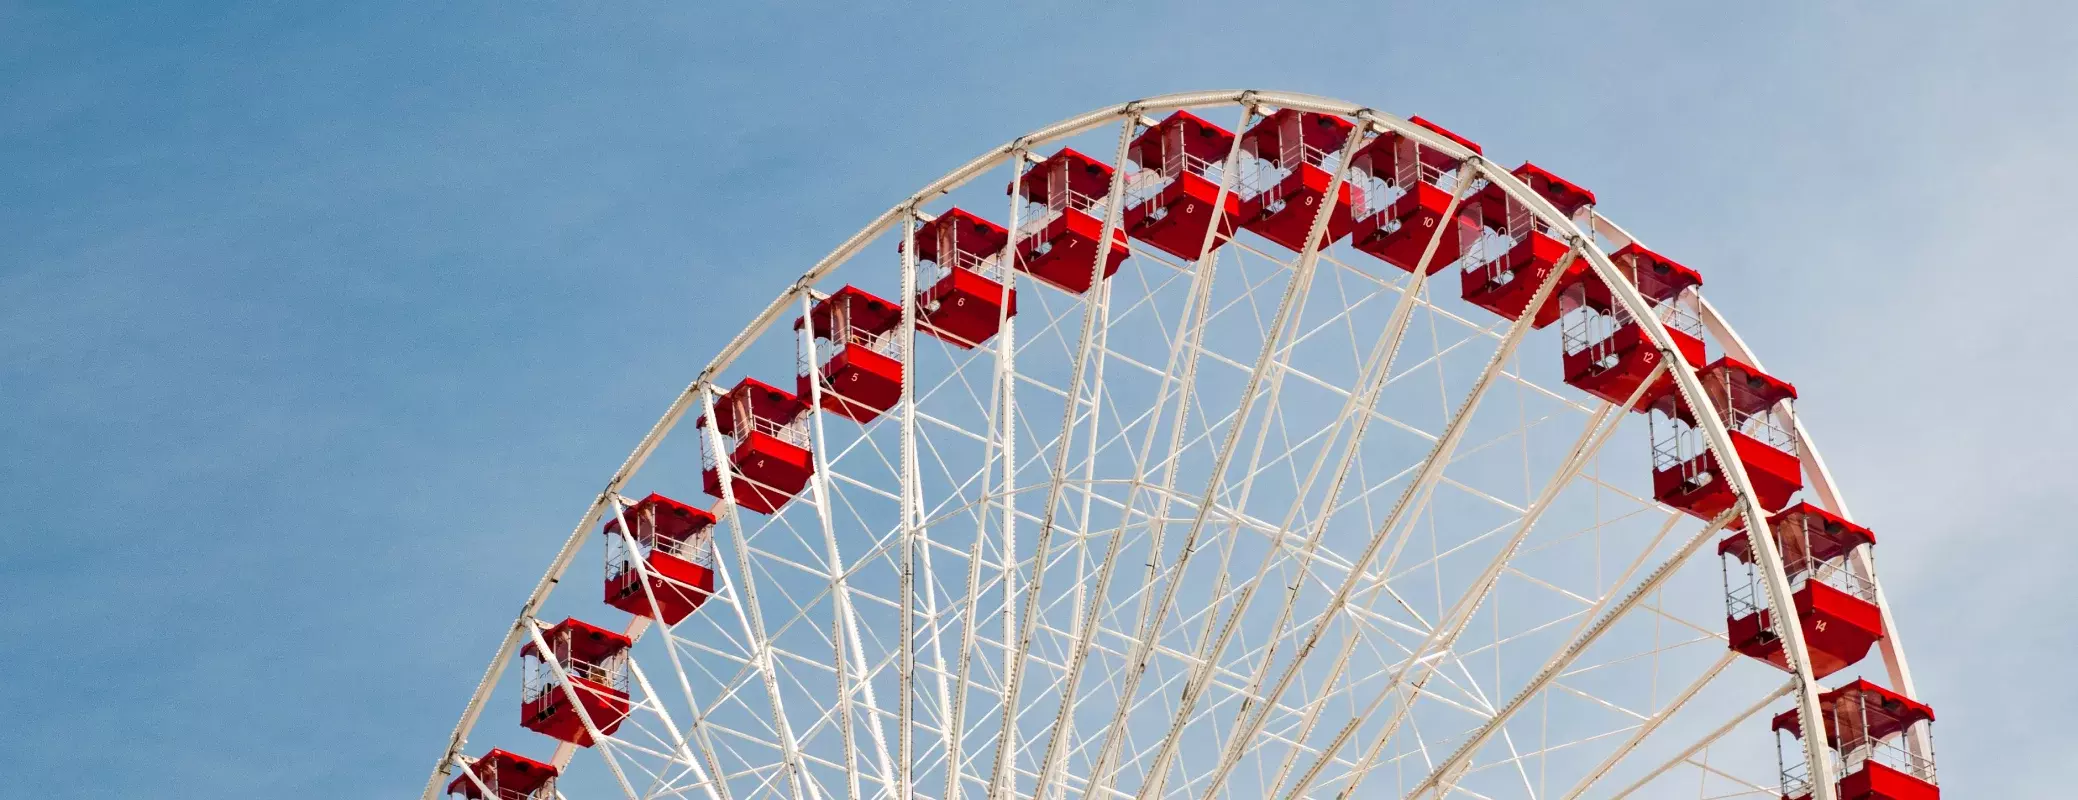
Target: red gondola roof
[(975, 234), (588, 642), (1565, 194), (1322, 131), (766, 401), (1201, 139), (504, 772), (675, 520), (1439, 130), (1887, 712), (1086, 176), (1655, 275), (1752, 379), (869, 312)]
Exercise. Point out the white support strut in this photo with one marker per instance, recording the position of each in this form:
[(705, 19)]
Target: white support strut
[(569, 687), (850, 662), (1766, 552), (1444, 635), (1356, 411), (905, 765), (1185, 348), (751, 614), (999, 783), (716, 789), (1432, 466), (1002, 431), (1284, 322)]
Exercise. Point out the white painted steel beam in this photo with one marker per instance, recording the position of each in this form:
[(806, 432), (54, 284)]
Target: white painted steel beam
[(1096, 299), (1185, 347), (1002, 434), (1444, 635), (905, 768), (1357, 408), (1432, 467), (1452, 765), (716, 789), (1264, 368), (1708, 739), (848, 657), (1649, 726), (750, 613)]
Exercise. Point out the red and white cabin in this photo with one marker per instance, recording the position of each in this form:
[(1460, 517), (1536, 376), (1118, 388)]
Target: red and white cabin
[(1608, 353), (1515, 250), (1867, 733), (675, 543), (508, 776), (1409, 185), (596, 660), (764, 429), (861, 354), (1755, 408), (1290, 156), (961, 274), (1063, 217), (1837, 607), (1170, 204)]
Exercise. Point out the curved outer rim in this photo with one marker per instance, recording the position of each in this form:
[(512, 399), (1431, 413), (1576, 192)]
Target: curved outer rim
[(1716, 436)]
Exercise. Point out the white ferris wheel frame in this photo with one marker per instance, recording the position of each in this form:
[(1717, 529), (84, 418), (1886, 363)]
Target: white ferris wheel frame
[(700, 394)]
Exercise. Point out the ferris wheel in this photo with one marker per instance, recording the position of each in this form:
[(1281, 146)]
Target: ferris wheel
[(1238, 459)]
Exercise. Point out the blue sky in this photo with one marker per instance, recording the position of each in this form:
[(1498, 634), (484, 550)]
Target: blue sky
[(319, 327)]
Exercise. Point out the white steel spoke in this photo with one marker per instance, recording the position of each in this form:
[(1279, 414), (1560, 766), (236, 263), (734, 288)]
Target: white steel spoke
[(1442, 638), (1446, 769), (847, 648), (716, 789), (750, 612), (1002, 414), (906, 675), (1355, 411), (1708, 739), (1192, 322), (1431, 468), (1098, 295), (1285, 317), (1649, 726), (678, 742)]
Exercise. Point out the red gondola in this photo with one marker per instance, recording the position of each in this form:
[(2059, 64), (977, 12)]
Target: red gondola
[(1869, 740), (508, 776), (1837, 606), (1065, 198), (961, 299), (1517, 249), (861, 354), (1409, 186), (596, 662), (766, 437), (1754, 408), (1172, 206), (675, 544), (1289, 176)]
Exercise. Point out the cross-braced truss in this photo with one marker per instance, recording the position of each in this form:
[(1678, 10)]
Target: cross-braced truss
[(1267, 523)]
